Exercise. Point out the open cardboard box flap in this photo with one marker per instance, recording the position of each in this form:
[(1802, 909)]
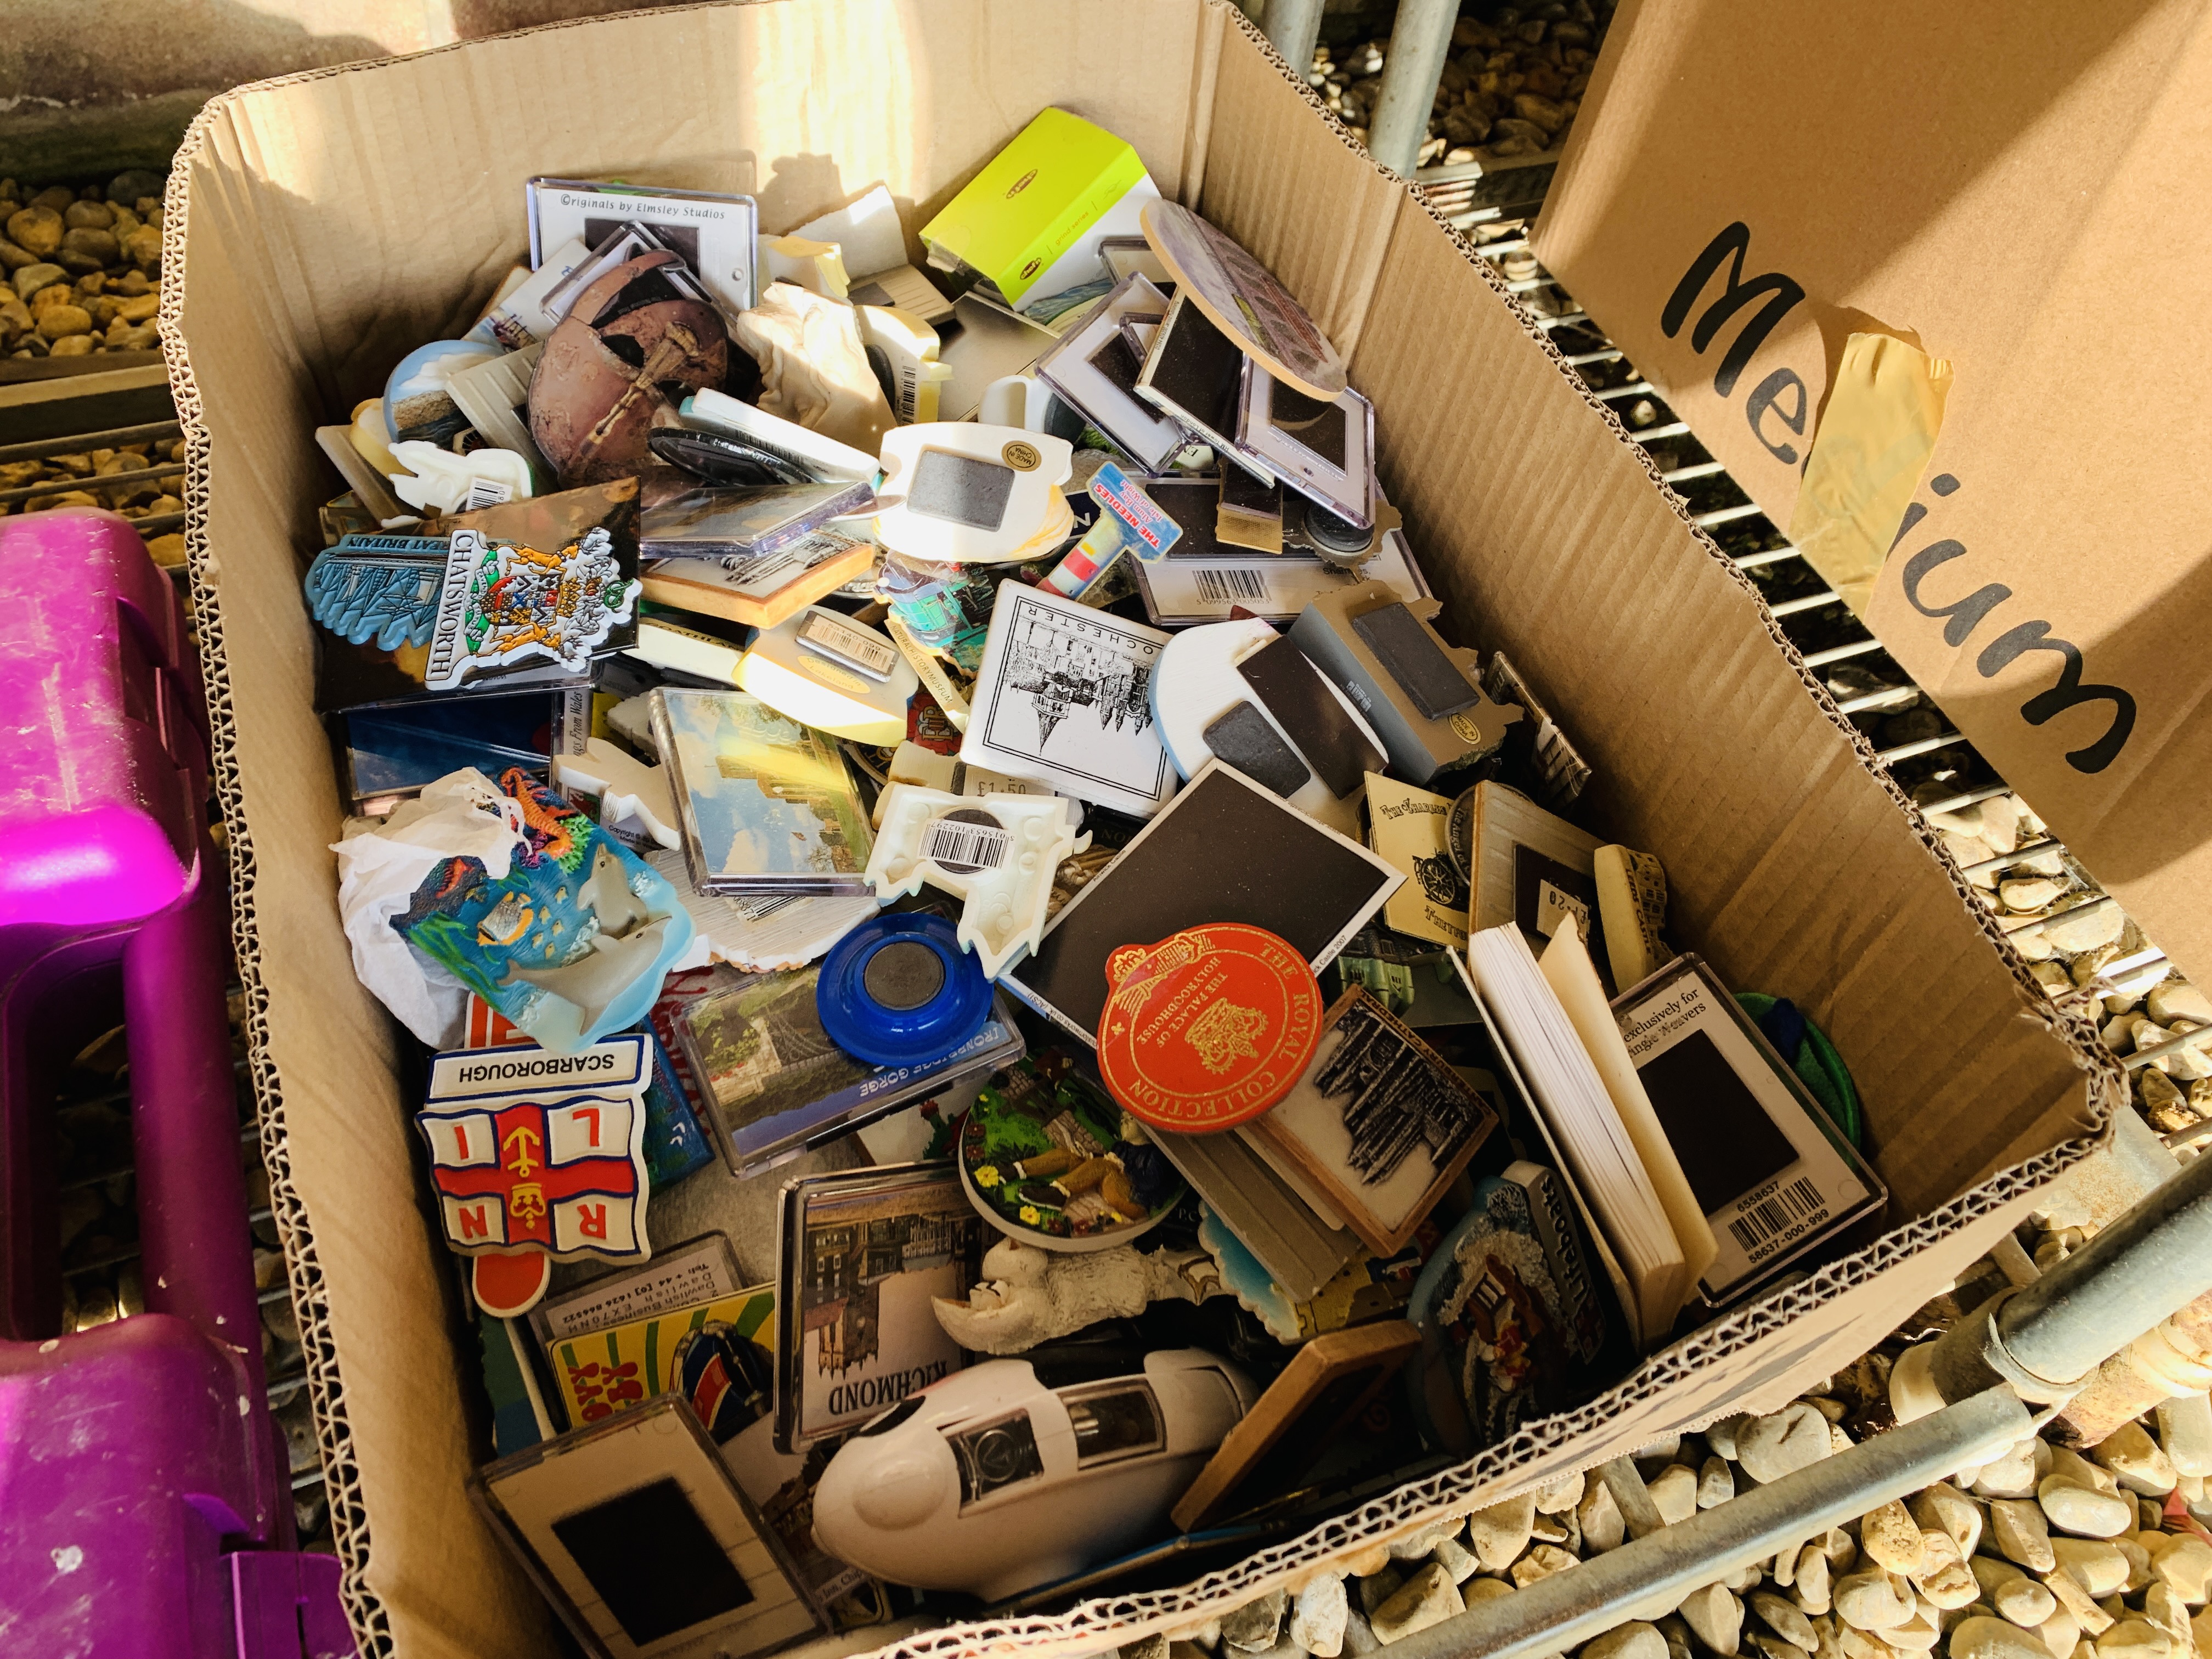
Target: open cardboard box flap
[(320, 226), (2001, 184)]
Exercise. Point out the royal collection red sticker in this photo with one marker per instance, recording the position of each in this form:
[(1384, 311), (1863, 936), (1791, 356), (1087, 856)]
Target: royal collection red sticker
[(1208, 1028)]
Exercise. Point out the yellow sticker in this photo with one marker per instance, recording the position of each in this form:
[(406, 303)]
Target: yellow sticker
[(1884, 413)]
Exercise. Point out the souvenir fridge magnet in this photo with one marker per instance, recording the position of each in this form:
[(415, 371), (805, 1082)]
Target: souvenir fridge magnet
[(1208, 1028), (549, 579), (503, 602), (1050, 1160), (1323, 448), (379, 590), (637, 1534), (994, 1480), (998, 853), (1533, 869), (418, 402), (825, 670), (1295, 877), (1239, 691), (1240, 298), (1324, 1388), (1127, 522), (1063, 695), (1411, 828), (569, 943), (775, 1080), (715, 235), (1379, 1123), (1511, 1321), (1095, 368), (763, 591), (535, 1154), (862, 1253), (633, 797), (718, 1353), (723, 521), (899, 990), (435, 480), (813, 455), (963, 493), (1420, 693), (1029, 1296), (593, 401), (768, 805)]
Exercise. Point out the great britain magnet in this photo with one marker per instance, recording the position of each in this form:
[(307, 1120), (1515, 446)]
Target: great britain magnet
[(1208, 1028)]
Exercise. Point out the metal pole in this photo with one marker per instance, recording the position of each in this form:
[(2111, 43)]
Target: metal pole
[(1554, 1614), (1411, 70), (2049, 1337), (1291, 28)]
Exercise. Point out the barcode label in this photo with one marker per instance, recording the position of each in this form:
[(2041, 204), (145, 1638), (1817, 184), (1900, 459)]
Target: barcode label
[(963, 845), (487, 492), (1795, 1203), (1230, 586), (844, 643)]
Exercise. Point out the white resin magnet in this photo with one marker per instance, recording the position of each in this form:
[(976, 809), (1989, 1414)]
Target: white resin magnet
[(824, 670), (998, 852), (630, 792), (1204, 706)]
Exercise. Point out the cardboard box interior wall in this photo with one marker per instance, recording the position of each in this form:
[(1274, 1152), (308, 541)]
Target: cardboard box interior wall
[(1999, 184), (320, 226)]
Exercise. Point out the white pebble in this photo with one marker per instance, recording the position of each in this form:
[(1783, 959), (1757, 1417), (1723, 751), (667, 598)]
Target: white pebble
[(1675, 1491), (2083, 1511), (1993, 1639), (1635, 1641), (1716, 1617)]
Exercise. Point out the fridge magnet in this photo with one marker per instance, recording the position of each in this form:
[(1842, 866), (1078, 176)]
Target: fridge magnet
[(719, 1354), (1208, 1028), (862, 1255), (1062, 697), (1048, 1158), (715, 235), (1029, 1296), (997, 853), (1326, 1386), (766, 805), (1041, 1482), (1379, 1122), (571, 943), (1509, 1316), (1239, 297), (636, 1532), (958, 493), (533, 1151)]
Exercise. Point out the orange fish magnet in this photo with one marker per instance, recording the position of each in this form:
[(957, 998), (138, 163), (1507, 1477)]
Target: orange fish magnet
[(1208, 1028)]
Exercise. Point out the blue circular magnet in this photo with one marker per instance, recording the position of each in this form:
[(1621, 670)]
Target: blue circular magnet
[(899, 990)]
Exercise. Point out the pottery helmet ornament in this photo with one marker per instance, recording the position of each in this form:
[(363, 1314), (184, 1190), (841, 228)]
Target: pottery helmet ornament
[(631, 348)]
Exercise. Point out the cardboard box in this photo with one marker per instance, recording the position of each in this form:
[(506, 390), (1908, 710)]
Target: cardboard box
[(1998, 184), (319, 227)]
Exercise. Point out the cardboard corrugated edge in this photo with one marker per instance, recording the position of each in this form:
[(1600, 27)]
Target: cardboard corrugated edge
[(1696, 1377)]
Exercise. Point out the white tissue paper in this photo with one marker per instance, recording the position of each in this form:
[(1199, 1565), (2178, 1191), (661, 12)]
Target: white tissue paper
[(461, 815)]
